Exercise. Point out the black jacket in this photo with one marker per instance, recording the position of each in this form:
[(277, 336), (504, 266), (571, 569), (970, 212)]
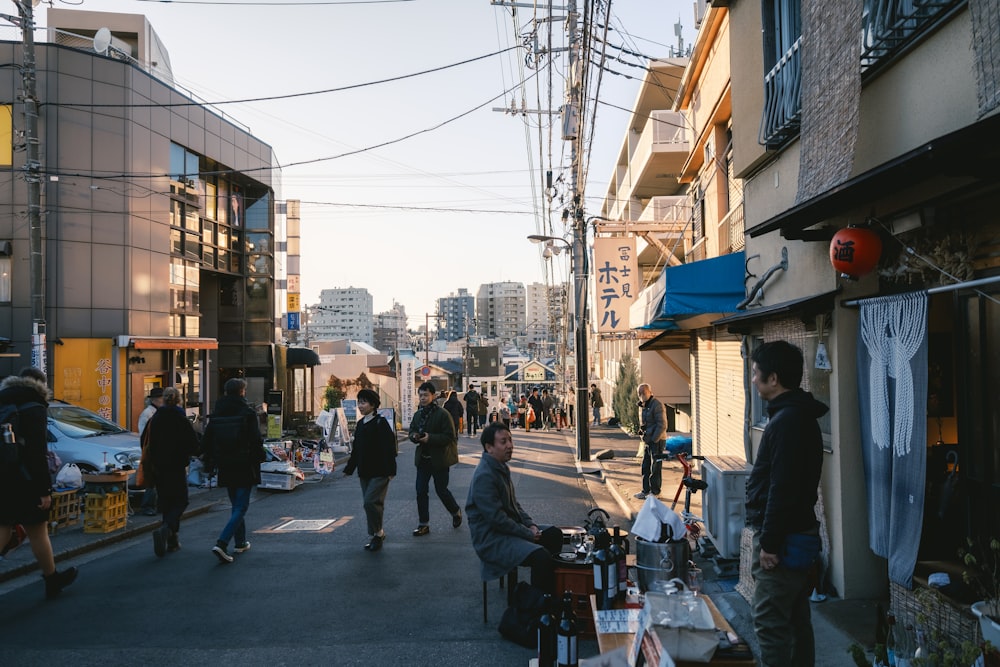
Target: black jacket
[(471, 399), (782, 488), (373, 453), (31, 478), (172, 443), (454, 408), (243, 470)]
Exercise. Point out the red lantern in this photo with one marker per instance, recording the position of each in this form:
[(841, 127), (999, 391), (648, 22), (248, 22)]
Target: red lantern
[(854, 251)]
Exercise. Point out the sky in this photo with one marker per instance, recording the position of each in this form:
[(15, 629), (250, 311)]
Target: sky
[(413, 219)]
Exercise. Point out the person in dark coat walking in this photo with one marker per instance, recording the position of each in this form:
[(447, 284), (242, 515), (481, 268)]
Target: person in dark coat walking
[(503, 534), (432, 431), (535, 401), (233, 445), (25, 486), (471, 399), (455, 409), (373, 455), (172, 443)]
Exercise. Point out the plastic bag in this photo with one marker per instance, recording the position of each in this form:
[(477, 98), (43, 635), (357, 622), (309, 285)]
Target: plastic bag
[(69, 477)]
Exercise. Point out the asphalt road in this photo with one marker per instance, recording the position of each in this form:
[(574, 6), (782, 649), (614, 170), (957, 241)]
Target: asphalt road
[(300, 597)]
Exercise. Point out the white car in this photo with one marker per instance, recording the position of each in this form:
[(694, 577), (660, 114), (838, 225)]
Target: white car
[(89, 440)]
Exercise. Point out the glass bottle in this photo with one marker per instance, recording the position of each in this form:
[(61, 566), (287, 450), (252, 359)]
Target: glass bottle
[(566, 634), (547, 633), (618, 552), (605, 578)]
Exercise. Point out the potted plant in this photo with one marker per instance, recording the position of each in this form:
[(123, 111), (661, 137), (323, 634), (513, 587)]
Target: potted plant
[(982, 573)]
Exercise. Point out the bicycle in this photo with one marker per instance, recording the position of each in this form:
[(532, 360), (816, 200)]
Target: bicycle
[(689, 485)]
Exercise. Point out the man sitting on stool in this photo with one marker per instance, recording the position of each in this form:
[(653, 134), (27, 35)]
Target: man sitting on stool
[(503, 534)]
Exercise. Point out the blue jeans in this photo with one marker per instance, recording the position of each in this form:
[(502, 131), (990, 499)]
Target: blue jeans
[(239, 496), (424, 474)]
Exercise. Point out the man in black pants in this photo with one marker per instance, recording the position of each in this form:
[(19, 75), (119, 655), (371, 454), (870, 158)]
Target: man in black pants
[(654, 435), (503, 534)]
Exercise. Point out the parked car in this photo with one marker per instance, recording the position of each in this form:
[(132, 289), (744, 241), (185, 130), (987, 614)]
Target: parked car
[(89, 440)]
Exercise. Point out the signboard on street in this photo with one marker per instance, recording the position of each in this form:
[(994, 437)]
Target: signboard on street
[(293, 321), (293, 302)]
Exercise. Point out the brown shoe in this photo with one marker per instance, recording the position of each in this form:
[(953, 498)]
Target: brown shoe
[(421, 530)]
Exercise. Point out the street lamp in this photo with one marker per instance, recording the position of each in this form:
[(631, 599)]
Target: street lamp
[(580, 305)]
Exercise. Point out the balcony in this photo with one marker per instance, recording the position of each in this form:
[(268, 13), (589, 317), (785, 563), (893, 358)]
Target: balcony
[(657, 157), (731, 231)]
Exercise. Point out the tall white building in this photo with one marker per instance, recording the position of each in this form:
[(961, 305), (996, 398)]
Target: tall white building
[(390, 329), (457, 315), (342, 312), (545, 308), (500, 311)]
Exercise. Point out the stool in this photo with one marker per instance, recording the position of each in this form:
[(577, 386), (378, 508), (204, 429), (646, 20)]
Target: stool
[(511, 585)]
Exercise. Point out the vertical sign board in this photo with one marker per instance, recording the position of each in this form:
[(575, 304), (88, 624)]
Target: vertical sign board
[(616, 277), (82, 374), (293, 321), (407, 386)]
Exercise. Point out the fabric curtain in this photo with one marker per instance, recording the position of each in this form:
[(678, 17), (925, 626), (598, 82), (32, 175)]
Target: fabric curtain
[(892, 392)]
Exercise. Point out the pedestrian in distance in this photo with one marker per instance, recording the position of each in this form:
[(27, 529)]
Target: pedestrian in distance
[(25, 484), (548, 410), (471, 399), (455, 409), (780, 504), (431, 429), (570, 404), (172, 443), (233, 445), (596, 403), (535, 402), (148, 506), (373, 455), (654, 436), (503, 534)]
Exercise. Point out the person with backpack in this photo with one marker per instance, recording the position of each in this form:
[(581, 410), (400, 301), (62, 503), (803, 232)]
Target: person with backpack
[(172, 443), (25, 485), (373, 455), (233, 445)]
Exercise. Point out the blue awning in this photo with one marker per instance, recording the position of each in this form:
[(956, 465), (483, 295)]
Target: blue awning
[(695, 294)]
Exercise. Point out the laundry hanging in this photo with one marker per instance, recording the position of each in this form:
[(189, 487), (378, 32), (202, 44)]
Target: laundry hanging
[(892, 392)]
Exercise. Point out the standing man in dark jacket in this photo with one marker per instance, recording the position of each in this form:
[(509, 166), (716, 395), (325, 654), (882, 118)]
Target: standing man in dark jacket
[(654, 436), (233, 445), (25, 487), (373, 455), (471, 399), (432, 431), (455, 409), (781, 495), (535, 401)]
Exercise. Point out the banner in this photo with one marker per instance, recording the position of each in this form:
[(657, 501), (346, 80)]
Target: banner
[(616, 280)]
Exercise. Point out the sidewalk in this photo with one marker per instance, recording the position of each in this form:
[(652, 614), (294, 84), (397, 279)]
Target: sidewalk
[(836, 623)]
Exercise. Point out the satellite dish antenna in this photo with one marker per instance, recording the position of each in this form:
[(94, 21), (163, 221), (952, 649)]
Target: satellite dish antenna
[(102, 40)]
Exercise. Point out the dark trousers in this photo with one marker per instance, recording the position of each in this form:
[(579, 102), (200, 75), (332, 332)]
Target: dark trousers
[(652, 471), (426, 472), (541, 560), (781, 614), (471, 422)]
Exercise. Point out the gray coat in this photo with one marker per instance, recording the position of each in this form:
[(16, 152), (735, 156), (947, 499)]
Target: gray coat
[(654, 421), (500, 527)]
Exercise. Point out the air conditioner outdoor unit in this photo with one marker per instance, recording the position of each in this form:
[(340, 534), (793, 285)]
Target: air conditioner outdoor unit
[(724, 500)]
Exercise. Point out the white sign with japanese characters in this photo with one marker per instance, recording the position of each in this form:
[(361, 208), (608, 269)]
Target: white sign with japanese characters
[(616, 282)]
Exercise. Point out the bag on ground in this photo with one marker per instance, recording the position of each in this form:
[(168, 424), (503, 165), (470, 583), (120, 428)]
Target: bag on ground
[(519, 621)]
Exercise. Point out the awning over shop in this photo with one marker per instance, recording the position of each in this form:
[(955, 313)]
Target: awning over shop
[(153, 343), (692, 295), (672, 339), (302, 356), (806, 308)]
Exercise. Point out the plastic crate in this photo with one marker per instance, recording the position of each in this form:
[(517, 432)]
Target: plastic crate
[(97, 502), (277, 481), (65, 510), (102, 524)]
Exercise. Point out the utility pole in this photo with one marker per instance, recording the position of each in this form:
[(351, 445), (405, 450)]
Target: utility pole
[(570, 129), (32, 176)]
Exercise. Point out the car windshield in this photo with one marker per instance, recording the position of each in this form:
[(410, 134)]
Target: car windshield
[(79, 422)]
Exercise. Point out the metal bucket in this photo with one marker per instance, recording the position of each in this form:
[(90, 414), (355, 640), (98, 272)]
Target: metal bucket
[(661, 561)]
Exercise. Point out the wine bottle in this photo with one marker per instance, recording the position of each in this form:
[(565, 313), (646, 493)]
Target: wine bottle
[(547, 633), (566, 634), (619, 555), (605, 578)]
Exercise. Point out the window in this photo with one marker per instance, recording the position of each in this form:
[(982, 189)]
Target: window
[(889, 26), (5, 269), (783, 65)]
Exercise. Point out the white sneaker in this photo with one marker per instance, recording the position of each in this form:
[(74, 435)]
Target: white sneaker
[(242, 548), (221, 554)]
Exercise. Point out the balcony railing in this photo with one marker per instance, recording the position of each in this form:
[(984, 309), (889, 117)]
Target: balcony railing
[(731, 231), (697, 252), (782, 103), (665, 131), (887, 25)]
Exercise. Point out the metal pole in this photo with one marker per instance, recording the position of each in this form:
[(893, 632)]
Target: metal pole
[(571, 134), (32, 176)]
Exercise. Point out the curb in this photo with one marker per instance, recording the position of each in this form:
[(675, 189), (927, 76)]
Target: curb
[(98, 543)]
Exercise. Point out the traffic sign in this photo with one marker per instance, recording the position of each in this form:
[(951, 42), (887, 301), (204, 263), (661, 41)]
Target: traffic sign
[(425, 371)]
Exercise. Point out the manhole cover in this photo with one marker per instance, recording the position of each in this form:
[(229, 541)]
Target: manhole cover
[(305, 525)]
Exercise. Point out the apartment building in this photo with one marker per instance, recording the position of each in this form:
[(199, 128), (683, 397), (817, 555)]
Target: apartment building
[(500, 311), (457, 317), (343, 312)]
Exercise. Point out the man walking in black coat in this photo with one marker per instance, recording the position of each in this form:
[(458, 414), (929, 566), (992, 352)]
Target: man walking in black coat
[(471, 399), (233, 445)]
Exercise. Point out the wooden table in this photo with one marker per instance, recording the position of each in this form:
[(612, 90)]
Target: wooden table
[(610, 641)]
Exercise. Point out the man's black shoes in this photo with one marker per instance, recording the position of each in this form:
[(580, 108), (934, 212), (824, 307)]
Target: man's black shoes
[(421, 530), (375, 543)]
